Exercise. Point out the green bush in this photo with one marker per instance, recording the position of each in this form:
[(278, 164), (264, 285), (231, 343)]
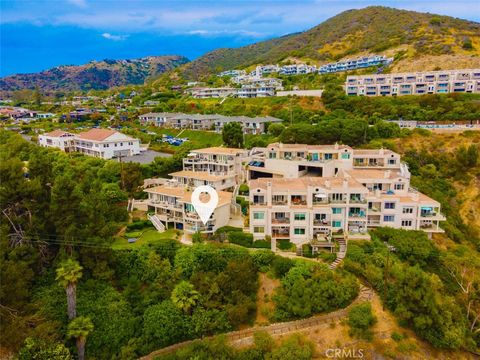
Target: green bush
[(281, 266), (243, 189), (139, 225), (262, 244), (360, 320), (240, 238), (262, 259), (285, 244)]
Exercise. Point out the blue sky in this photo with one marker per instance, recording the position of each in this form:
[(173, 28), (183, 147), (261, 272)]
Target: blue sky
[(37, 35)]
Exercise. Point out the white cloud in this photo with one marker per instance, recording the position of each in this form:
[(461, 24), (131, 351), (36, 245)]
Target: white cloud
[(79, 3), (114, 37)]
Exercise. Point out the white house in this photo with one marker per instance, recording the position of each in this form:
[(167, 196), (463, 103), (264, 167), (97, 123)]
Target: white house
[(102, 143), (58, 139)]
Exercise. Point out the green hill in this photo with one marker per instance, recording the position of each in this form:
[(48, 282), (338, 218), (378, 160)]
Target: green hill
[(96, 75), (408, 35)]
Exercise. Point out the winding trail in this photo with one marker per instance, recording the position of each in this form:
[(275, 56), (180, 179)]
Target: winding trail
[(245, 337)]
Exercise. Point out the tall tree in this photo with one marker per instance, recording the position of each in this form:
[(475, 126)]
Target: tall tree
[(79, 329), (232, 135), (184, 296), (68, 275)]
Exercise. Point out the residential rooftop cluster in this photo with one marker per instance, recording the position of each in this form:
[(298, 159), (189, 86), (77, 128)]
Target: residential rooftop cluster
[(214, 122)]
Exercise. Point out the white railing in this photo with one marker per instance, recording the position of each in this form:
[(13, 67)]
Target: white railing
[(156, 223)]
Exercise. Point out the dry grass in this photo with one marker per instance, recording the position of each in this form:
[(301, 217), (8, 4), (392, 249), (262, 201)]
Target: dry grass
[(265, 303)]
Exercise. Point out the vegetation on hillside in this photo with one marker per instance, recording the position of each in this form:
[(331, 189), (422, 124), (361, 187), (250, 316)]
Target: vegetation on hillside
[(373, 30)]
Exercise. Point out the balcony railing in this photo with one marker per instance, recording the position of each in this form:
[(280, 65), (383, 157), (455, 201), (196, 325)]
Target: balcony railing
[(358, 201), (281, 220), (280, 202), (319, 222)]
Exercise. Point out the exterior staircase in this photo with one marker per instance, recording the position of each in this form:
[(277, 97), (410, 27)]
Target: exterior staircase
[(156, 223), (340, 254)]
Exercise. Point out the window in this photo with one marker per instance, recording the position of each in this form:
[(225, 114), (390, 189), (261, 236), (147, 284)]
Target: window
[(299, 231), (259, 215), (258, 229), (336, 224), (389, 218), (407, 223), (389, 205), (398, 186), (299, 216), (336, 210), (408, 210), (337, 197), (345, 156), (392, 161), (328, 156)]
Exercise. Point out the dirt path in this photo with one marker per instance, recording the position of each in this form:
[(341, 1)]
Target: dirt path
[(265, 303)]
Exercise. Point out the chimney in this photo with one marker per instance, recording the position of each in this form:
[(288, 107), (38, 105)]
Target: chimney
[(336, 146), (381, 151)]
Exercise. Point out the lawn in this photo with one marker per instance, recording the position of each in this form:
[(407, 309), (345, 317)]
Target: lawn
[(148, 236), (198, 139)]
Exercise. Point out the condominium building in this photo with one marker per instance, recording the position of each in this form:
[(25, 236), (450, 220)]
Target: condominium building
[(207, 93), (204, 122), (232, 73), (170, 206), (419, 83), (102, 143), (301, 192), (254, 91), (297, 69), (218, 161), (353, 64), (307, 208)]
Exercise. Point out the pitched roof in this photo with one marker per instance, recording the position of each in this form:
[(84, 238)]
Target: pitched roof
[(305, 182), (96, 134), (201, 175)]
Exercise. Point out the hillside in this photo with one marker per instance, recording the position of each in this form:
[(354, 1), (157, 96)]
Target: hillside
[(96, 75), (409, 35)]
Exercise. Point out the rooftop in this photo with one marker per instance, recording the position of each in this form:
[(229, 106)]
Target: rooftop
[(57, 133), (200, 175), (305, 182), (217, 150), (98, 134)]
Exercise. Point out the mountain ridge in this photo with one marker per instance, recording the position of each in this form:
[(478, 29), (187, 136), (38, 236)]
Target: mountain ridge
[(96, 74), (373, 29)]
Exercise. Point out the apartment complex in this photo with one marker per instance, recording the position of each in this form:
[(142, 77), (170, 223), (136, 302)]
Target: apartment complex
[(102, 143), (354, 64), (419, 83), (209, 93), (170, 206), (303, 192), (170, 203), (232, 73), (214, 122)]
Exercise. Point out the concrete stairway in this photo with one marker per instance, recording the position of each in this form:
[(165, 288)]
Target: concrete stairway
[(156, 222), (340, 254)]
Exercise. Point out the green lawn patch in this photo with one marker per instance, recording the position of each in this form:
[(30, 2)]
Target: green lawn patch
[(144, 238)]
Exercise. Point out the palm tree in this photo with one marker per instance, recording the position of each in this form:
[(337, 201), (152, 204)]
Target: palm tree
[(184, 296), (68, 275), (79, 329)]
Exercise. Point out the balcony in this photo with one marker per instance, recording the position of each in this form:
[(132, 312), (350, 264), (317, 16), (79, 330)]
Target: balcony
[(357, 200), (281, 233), (280, 220), (298, 200), (321, 222), (279, 200)]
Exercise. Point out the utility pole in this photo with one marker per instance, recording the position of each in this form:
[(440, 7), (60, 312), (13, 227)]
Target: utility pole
[(121, 171)]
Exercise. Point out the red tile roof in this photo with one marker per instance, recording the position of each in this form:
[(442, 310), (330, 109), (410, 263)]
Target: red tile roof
[(96, 134)]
